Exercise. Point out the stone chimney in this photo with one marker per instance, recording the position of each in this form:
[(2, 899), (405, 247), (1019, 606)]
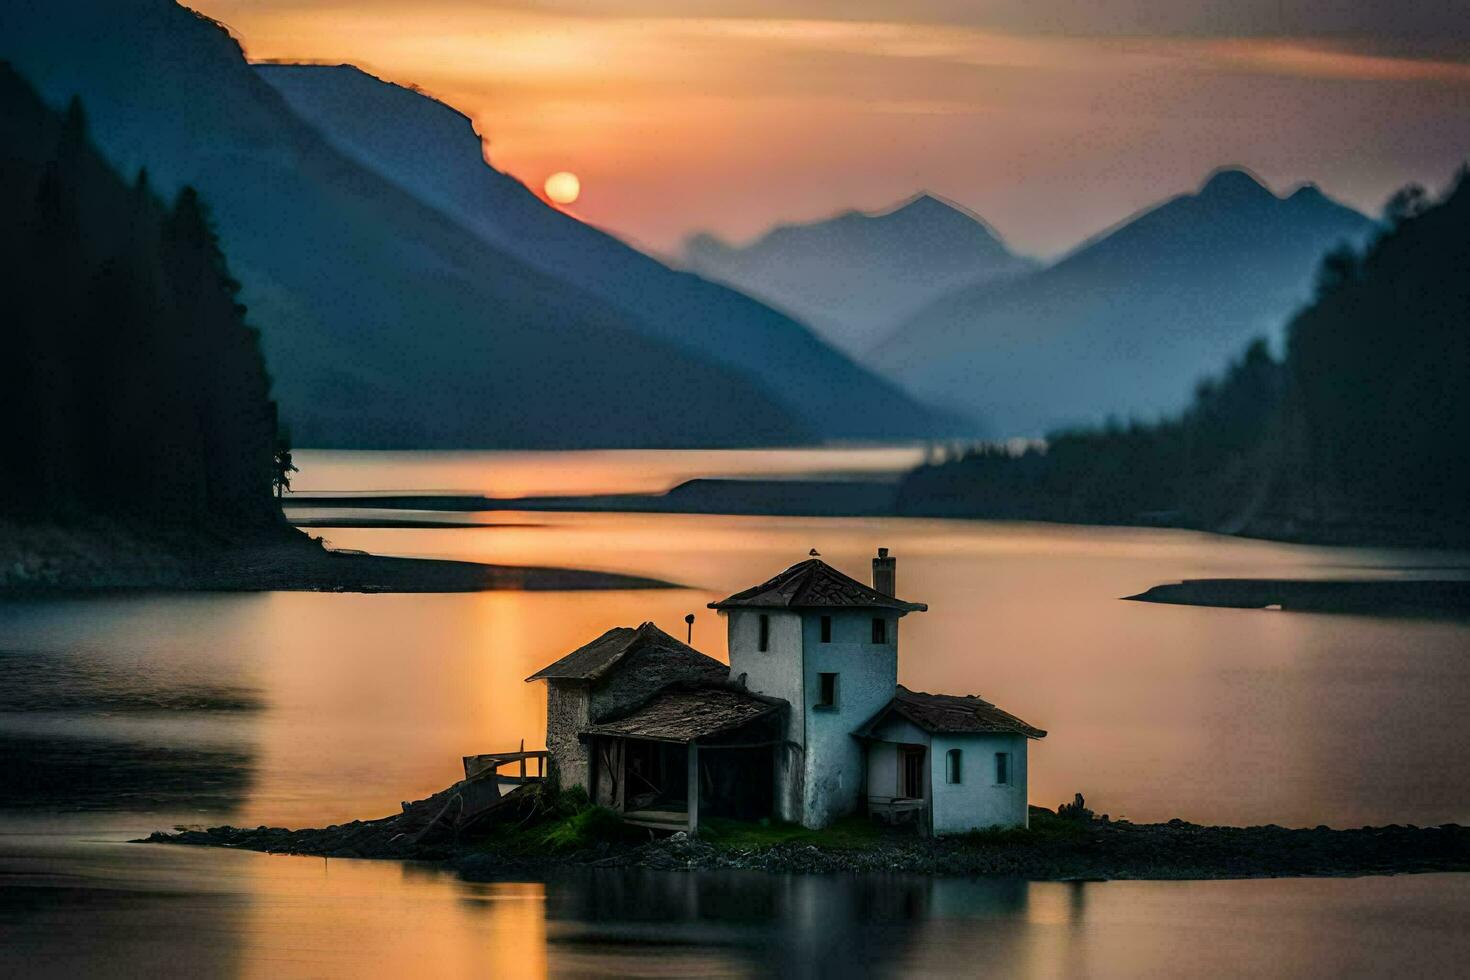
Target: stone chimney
[(885, 573)]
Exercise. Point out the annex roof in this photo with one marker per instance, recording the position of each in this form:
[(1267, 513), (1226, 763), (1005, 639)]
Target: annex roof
[(593, 660), (951, 714), (689, 714), (814, 584)]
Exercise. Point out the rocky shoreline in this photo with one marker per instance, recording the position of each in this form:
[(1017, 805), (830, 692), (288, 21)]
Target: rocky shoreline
[(1054, 849), (112, 556)]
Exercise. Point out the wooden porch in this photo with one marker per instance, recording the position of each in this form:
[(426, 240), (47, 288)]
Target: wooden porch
[(668, 820), (896, 810), (481, 766)]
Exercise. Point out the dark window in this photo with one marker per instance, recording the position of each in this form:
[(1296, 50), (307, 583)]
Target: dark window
[(826, 629), (765, 637), (1002, 768), (826, 690), (880, 630), (953, 766)]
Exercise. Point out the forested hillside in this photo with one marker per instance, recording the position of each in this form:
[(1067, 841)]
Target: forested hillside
[(1359, 433), (130, 383)]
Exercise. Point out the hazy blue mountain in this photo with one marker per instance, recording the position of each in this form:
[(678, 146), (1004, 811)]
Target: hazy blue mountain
[(853, 275), (384, 321), (432, 151), (1128, 322)]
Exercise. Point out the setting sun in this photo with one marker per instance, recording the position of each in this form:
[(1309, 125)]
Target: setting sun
[(563, 187)]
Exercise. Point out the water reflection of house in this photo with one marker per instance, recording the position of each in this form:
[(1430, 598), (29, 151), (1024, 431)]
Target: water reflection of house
[(808, 722), (737, 923)]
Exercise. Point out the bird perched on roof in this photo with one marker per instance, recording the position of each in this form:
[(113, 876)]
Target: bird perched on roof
[(814, 553)]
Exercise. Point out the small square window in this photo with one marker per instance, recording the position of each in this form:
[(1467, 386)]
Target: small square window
[(826, 691), (880, 630), (826, 629), (765, 631), (1002, 768), (954, 766)]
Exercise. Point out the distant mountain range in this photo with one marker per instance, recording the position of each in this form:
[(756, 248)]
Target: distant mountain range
[(858, 273), (1125, 324), (1355, 434), (411, 296), (433, 151)]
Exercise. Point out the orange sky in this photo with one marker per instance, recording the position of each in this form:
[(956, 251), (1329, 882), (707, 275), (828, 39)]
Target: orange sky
[(1049, 118)]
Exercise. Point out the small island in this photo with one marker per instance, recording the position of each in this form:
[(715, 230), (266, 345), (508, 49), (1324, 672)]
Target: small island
[(1402, 596), (540, 832)]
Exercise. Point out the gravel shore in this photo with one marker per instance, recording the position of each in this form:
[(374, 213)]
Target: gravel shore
[(1053, 850)]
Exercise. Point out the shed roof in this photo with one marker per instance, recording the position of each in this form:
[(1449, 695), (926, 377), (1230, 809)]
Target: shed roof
[(593, 660), (814, 584), (951, 714), (688, 714)]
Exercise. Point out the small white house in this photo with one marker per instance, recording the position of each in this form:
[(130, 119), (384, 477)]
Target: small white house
[(958, 762), (828, 645), (807, 723)]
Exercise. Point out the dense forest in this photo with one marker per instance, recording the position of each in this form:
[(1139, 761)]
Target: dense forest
[(1359, 432), (130, 384)]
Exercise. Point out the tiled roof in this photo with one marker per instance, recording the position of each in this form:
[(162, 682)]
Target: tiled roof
[(949, 714), (598, 657), (688, 714), (814, 584)]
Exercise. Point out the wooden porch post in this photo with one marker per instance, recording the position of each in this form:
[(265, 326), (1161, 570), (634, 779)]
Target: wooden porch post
[(693, 793), (620, 747)]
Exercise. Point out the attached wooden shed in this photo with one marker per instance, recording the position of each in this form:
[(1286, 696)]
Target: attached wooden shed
[(605, 678), (688, 751)]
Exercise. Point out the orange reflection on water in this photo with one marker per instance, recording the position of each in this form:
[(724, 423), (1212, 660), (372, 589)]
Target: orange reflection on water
[(314, 917), (521, 474)]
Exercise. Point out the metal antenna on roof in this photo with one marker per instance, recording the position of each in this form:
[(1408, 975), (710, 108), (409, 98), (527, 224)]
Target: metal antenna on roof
[(689, 621)]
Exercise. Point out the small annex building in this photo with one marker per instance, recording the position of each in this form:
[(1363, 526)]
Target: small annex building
[(807, 723), (953, 763), (643, 722)]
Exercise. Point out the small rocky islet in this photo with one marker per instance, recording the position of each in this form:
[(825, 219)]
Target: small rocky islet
[(532, 837)]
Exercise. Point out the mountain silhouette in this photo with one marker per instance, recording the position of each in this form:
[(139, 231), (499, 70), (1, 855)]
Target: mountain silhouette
[(855, 274), (1126, 323), (385, 323), (131, 385), (432, 151), (1355, 434)]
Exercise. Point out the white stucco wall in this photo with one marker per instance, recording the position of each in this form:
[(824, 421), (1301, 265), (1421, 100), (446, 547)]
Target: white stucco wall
[(883, 755), (867, 676), (977, 802), (826, 777), (776, 672), (882, 769)]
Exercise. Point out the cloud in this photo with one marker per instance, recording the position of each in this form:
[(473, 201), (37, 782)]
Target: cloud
[(1439, 21), (1443, 23)]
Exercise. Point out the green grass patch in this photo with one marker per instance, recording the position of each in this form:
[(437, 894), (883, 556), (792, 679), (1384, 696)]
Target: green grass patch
[(1045, 826), (845, 833), (584, 829), (563, 822)]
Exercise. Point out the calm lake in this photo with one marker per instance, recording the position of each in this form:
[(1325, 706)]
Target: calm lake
[(121, 715)]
